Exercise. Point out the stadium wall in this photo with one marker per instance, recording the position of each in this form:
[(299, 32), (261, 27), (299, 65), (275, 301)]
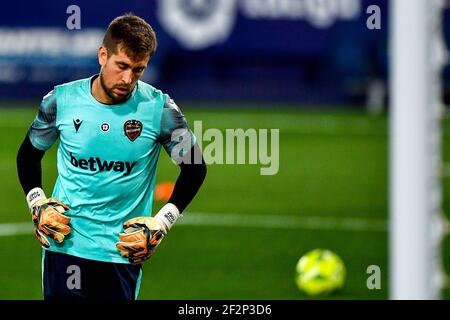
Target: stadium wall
[(305, 51)]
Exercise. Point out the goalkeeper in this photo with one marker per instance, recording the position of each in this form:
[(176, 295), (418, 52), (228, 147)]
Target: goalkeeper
[(97, 227)]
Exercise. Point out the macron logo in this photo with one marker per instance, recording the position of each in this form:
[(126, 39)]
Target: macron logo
[(96, 164), (77, 123)]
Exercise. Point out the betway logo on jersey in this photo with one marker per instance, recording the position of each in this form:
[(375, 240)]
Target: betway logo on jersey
[(96, 164)]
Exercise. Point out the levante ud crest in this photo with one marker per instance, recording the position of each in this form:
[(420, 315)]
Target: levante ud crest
[(132, 129)]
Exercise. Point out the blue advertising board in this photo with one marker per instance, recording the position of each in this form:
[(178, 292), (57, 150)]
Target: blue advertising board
[(311, 51)]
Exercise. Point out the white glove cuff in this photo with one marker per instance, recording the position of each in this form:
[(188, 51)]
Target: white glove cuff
[(34, 196), (168, 215)]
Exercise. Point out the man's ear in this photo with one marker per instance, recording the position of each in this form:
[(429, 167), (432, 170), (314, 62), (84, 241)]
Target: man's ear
[(102, 55)]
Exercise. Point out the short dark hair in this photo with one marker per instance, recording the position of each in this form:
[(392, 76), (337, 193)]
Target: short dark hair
[(133, 33)]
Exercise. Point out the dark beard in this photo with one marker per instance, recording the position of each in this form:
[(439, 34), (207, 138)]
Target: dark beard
[(109, 92)]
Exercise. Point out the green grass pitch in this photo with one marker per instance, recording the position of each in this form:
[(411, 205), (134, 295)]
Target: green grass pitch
[(333, 165)]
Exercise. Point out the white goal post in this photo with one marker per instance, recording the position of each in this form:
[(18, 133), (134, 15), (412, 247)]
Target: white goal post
[(417, 56)]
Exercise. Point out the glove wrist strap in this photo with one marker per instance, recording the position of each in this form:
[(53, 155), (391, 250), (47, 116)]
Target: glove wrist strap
[(168, 215), (34, 196)]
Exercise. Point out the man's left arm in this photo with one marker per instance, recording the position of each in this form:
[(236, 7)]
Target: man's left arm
[(189, 181), (180, 143)]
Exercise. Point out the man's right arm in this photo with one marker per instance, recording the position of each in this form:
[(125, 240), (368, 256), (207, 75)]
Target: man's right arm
[(29, 166), (40, 137), (47, 214)]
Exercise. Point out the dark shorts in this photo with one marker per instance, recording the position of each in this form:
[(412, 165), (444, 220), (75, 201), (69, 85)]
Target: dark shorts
[(69, 277)]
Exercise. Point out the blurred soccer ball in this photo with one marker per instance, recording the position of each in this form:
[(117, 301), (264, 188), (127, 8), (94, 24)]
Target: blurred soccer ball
[(320, 271)]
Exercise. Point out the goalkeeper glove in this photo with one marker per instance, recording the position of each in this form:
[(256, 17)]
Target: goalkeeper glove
[(142, 235), (48, 217)]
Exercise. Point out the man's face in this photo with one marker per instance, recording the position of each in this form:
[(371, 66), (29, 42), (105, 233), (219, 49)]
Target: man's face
[(119, 73)]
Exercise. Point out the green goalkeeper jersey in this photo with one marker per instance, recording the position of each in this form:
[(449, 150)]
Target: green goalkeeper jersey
[(106, 159)]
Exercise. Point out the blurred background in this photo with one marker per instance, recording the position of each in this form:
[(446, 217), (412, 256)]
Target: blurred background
[(312, 69)]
